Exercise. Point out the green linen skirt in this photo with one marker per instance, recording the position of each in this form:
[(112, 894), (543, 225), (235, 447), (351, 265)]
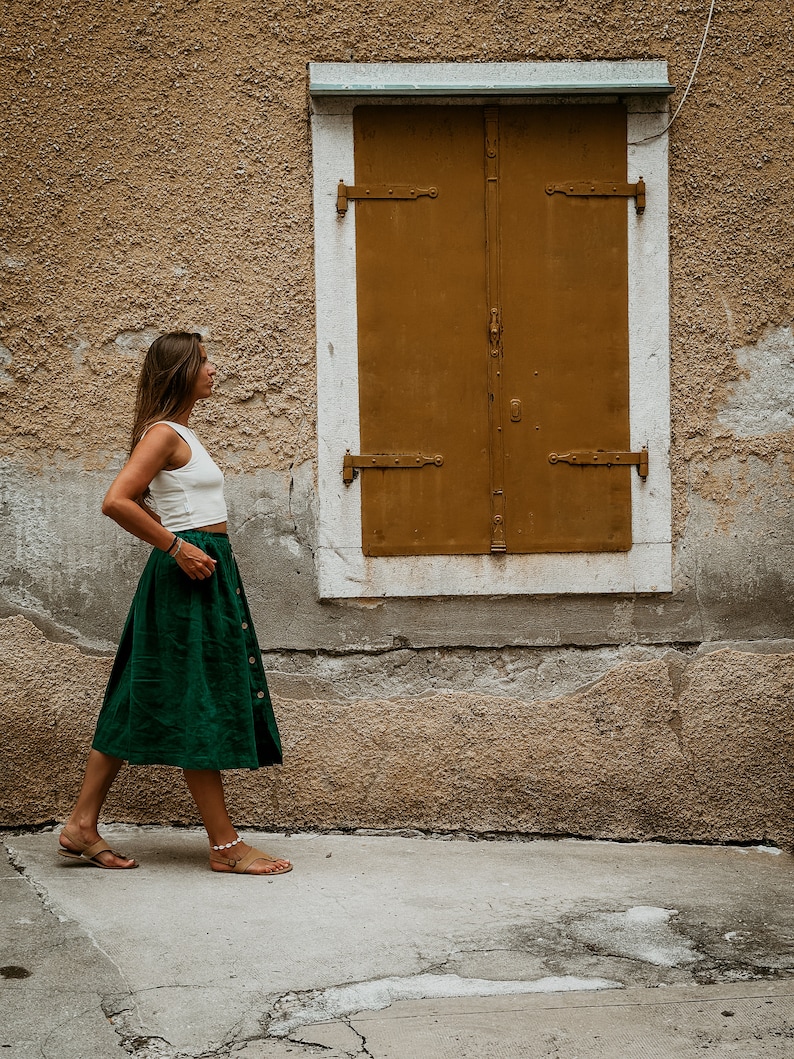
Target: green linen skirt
[(188, 687)]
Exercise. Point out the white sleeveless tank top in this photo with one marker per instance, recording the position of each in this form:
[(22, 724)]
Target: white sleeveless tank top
[(189, 496)]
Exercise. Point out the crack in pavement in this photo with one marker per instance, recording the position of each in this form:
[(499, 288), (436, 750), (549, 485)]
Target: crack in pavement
[(67, 980), (364, 1050), (529, 944)]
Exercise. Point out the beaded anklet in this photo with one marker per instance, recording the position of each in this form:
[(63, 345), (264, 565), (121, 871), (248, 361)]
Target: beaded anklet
[(228, 845)]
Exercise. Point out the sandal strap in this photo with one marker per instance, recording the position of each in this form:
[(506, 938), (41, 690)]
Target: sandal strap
[(248, 860), (241, 866), (78, 845), (221, 860), (98, 847)]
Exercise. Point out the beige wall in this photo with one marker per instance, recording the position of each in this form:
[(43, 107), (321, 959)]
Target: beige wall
[(158, 175), (675, 748)]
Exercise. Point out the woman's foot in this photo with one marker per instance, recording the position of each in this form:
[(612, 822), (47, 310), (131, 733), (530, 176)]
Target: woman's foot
[(84, 843), (243, 859)]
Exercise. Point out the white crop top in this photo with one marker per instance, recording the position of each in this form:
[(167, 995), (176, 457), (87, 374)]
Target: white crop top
[(189, 496)]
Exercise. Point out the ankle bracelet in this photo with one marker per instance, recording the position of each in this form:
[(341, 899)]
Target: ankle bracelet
[(227, 845)]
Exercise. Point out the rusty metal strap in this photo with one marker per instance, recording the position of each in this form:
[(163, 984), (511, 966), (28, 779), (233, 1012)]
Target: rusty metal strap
[(378, 191), (588, 188), (604, 458), (385, 461)]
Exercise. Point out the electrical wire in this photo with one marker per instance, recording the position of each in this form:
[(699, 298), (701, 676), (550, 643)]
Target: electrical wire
[(656, 135)]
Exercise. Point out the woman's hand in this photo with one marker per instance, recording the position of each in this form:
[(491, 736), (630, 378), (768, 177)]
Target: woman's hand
[(194, 562)]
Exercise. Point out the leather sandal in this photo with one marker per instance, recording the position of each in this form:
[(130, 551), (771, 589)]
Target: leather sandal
[(90, 854), (240, 867)]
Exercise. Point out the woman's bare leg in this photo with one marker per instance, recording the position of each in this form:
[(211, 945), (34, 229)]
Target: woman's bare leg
[(206, 786), (100, 772)]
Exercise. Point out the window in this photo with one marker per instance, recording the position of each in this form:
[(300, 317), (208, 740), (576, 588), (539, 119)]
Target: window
[(492, 328)]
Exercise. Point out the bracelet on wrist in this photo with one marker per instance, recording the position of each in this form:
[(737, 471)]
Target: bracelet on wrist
[(178, 548), (169, 550)]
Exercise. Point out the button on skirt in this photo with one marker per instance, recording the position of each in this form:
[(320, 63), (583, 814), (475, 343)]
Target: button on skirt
[(188, 687)]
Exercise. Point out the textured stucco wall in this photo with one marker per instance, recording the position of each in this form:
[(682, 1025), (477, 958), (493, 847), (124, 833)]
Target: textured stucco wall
[(158, 175), (671, 747)]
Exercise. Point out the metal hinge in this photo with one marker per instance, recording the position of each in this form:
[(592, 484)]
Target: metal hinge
[(604, 458), (384, 462), (378, 191), (602, 187)]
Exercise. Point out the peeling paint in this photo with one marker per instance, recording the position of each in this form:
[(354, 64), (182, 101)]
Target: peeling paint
[(640, 933), (5, 360), (134, 343), (762, 399), (294, 1010)]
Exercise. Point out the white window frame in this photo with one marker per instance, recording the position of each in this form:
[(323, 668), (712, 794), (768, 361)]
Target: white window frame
[(344, 571)]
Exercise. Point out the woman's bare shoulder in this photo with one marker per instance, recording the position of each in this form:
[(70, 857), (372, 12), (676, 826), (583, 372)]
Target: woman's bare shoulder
[(158, 438), (162, 428), (162, 444)]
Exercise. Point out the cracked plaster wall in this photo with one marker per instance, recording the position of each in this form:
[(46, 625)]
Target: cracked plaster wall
[(159, 176), (669, 747)]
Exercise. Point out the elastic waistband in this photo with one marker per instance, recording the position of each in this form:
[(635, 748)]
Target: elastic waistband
[(200, 533)]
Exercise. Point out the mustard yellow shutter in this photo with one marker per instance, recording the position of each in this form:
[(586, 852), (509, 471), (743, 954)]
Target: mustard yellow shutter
[(492, 328), (421, 303)]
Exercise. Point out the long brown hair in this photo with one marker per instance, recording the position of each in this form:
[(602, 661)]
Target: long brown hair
[(166, 382)]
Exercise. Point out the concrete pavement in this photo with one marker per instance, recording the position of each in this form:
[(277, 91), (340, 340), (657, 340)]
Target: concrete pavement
[(375, 946)]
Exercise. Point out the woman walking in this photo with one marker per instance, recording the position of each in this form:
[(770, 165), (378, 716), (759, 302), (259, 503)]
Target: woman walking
[(187, 686)]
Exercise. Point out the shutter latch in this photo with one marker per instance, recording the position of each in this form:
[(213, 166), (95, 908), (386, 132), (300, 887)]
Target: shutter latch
[(587, 188), (384, 462), (604, 458), (378, 191)]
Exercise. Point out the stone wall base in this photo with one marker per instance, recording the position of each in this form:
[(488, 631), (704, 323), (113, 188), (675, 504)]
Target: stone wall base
[(698, 749)]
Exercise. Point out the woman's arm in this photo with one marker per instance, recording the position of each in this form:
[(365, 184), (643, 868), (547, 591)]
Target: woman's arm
[(158, 448)]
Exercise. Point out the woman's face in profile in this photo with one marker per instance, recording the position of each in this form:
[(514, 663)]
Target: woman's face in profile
[(205, 380)]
